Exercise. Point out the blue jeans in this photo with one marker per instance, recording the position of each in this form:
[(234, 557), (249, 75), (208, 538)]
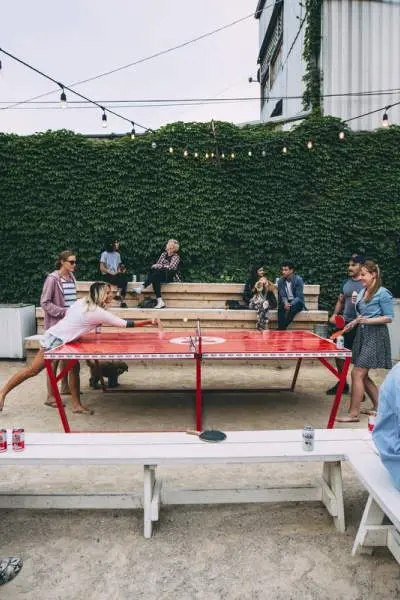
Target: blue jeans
[(286, 317)]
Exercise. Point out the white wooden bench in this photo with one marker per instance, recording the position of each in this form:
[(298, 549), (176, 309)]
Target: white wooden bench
[(383, 500), (156, 449)]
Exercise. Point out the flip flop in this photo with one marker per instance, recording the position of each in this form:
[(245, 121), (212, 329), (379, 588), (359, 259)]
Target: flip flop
[(83, 410), (368, 411), (53, 403), (347, 419)]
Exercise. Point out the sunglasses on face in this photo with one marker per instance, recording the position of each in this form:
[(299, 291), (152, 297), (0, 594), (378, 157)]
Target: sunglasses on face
[(71, 262)]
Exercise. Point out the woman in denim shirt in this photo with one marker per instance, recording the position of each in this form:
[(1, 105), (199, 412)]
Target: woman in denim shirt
[(371, 348)]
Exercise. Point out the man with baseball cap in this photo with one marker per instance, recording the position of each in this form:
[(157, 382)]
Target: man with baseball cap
[(345, 305)]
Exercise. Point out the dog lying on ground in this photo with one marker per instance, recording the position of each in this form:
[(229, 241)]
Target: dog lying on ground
[(110, 369)]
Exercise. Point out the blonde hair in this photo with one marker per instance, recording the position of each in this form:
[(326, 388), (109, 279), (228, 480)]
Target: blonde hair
[(372, 268), (97, 295), (174, 242), (63, 256)]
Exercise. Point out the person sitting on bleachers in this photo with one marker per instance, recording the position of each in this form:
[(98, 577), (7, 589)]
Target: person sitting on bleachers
[(113, 271), (163, 271)]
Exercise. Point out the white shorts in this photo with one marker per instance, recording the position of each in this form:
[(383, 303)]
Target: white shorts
[(49, 341)]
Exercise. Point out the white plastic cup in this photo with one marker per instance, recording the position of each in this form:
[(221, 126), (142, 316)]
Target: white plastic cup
[(134, 279)]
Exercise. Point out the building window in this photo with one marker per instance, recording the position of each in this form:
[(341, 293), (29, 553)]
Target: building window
[(270, 58)]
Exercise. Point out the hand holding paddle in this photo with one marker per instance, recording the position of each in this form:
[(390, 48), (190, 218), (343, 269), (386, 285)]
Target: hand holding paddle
[(157, 323)]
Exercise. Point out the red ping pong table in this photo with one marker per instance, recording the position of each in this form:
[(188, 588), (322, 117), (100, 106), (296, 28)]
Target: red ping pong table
[(200, 347)]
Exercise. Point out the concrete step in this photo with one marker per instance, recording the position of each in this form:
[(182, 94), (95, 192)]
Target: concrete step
[(199, 295), (210, 318)]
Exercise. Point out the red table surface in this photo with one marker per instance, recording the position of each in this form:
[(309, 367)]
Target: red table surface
[(158, 344)]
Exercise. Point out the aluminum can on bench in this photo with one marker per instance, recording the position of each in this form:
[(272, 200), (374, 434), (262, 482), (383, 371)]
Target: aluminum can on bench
[(3, 440), (18, 439), (308, 438)]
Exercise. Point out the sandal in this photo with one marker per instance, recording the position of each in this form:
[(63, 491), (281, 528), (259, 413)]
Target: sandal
[(83, 410), (348, 419), (368, 411), (52, 403)]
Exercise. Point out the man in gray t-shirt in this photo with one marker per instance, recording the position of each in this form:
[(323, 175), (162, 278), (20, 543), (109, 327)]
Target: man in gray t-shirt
[(345, 305)]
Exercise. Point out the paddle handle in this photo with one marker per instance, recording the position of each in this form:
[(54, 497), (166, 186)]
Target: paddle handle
[(193, 432)]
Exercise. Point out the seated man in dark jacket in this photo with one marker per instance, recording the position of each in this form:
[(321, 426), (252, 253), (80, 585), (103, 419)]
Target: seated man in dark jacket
[(290, 295)]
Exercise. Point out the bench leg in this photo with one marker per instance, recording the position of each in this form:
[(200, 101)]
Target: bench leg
[(371, 532), (151, 498), (332, 493)]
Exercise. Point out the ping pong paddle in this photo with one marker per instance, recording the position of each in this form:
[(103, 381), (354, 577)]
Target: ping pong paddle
[(209, 435), (340, 324)]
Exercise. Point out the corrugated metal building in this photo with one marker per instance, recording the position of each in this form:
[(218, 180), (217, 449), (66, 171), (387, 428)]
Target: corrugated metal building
[(360, 52)]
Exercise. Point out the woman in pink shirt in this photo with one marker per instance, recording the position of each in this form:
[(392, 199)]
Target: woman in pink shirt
[(58, 294), (83, 316)]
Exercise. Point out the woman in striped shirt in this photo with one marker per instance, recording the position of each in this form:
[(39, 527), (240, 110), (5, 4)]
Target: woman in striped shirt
[(59, 293)]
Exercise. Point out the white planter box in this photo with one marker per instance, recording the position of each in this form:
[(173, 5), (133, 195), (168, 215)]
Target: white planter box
[(394, 330), (17, 321)]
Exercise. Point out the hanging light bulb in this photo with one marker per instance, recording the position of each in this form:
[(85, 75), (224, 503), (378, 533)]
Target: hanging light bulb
[(104, 119), (63, 98), (309, 144), (263, 154), (207, 155), (153, 145), (185, 153), (284, 150), (171, 150), (133, 132), (212, 154), (385, 118), (342, 135), (223, 155), (196, 155), (232, 155), (250, 153)]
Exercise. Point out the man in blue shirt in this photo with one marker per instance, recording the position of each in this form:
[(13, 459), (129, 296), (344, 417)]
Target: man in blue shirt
[(290, 295), (345, 305), (386, 434)]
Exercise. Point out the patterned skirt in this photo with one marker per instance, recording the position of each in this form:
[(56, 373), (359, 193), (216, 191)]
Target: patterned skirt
[(371, 347)]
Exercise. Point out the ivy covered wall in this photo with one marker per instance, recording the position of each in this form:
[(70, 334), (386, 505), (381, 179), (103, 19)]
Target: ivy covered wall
[(60, 190)]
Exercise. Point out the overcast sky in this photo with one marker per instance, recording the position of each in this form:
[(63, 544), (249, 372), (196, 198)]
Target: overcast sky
[(73, 40)]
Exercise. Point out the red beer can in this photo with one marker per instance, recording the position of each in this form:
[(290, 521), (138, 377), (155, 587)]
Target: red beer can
[(3, 440), (371, 422), (18, 439)]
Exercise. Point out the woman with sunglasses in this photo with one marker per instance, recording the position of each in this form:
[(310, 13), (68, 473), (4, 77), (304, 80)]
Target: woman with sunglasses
[(58, 294), (83, 316)]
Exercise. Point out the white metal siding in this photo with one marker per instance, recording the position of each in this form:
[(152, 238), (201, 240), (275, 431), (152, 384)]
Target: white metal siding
[(360, 52)]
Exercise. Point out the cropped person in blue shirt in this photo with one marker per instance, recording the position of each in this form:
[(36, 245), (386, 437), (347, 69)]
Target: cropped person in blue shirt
[(386, 433), (371, 348)]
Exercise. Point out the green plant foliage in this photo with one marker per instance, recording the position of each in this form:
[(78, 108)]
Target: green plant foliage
[(311, 55), (60, 190)]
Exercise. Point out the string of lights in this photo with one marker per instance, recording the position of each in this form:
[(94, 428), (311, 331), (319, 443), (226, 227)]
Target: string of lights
[(63, 96), (148, 58)]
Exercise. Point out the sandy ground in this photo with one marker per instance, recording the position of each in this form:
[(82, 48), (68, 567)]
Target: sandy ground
[(241, 552)]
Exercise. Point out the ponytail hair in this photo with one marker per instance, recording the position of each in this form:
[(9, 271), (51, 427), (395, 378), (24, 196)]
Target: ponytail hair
[(373, 268), (97, 295), (63, 256)]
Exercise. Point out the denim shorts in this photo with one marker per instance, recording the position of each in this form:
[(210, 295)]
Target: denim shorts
[(49, 341)]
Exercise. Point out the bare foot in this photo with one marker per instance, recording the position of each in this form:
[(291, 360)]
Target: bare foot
[(348, 419), (83, 410)]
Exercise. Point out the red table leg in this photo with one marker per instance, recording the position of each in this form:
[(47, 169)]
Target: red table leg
[(199, 407), (338, 397), (53, 382)]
